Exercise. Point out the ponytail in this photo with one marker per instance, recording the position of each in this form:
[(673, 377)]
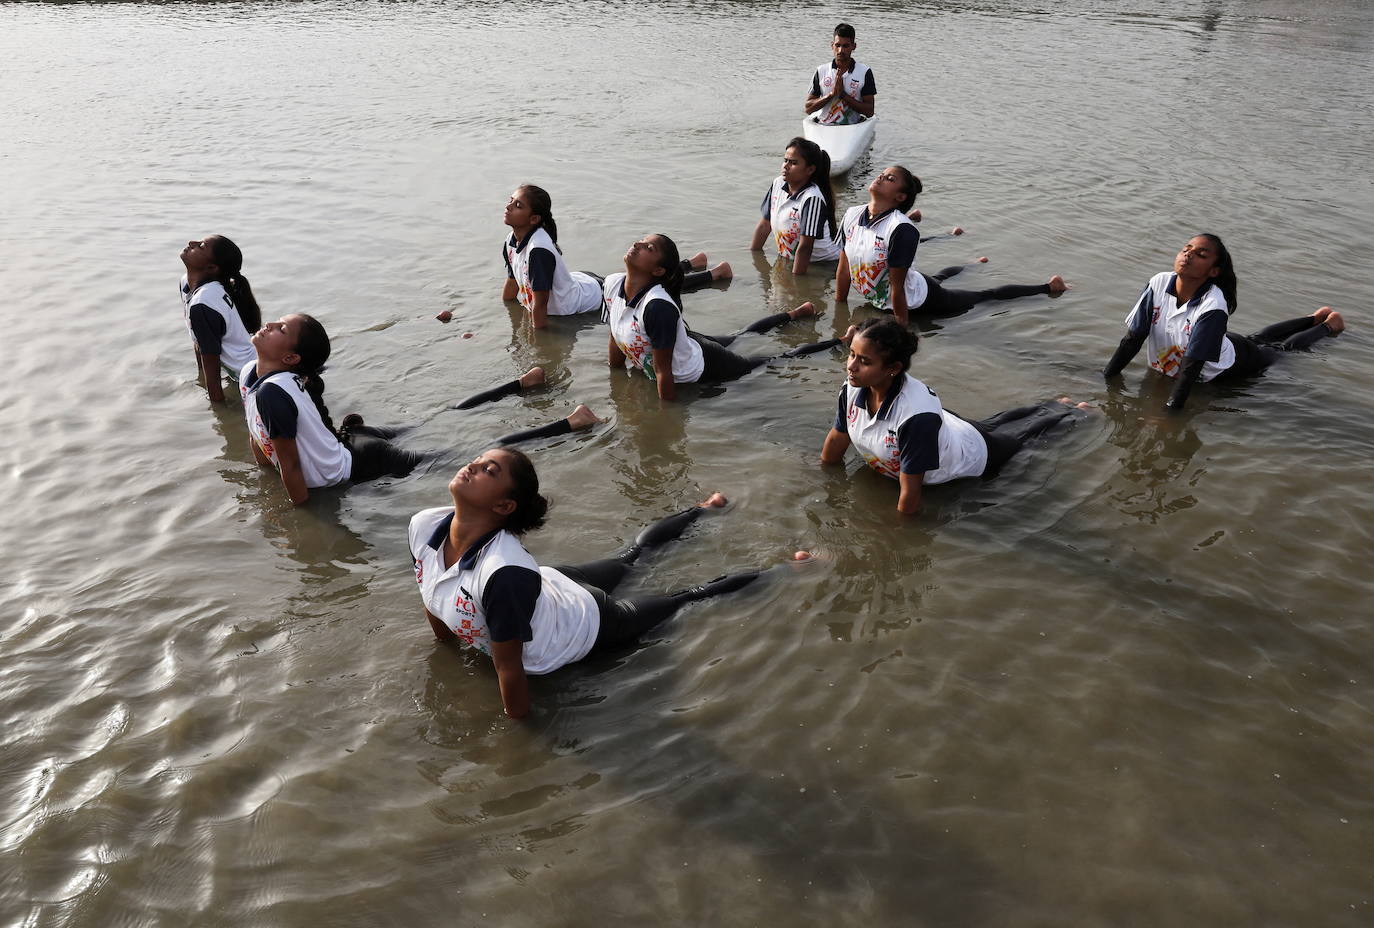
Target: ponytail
[(242, 295), (816, 157), (314, 385), (671, 280), (1226, 272), (541, 204), (229, 259), (312, 344)]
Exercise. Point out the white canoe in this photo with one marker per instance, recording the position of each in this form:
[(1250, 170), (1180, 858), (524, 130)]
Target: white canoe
[(844, 144)]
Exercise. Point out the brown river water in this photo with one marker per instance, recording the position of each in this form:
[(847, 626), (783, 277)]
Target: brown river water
[(1128, 682)]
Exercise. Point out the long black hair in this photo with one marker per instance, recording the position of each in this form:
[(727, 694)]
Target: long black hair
[(530, 506), (816, 157), (1226, 271), (671, 263), (229, 259), (541, 204), (894, 341), (312, 345)]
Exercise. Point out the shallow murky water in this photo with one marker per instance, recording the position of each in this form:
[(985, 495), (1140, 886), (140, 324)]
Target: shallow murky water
[(1128, 682)]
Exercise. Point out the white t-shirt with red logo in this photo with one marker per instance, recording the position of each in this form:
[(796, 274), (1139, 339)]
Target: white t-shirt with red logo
[(858, 83), (793, 215), (867, 246), (496, 592), (911, 433), (651, 320)]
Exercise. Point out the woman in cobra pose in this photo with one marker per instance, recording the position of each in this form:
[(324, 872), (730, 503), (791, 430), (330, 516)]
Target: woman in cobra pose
[(899, 426), (292, 432), (536, 274), (219, 309), (644, 309), (481, 588), (879, 258), (1183, 316)]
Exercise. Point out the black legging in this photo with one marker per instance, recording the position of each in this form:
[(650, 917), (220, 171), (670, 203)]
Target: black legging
[(943, 302), (374, 455), (1007, 431), (1258, 351), (723, 364), (623, 621)]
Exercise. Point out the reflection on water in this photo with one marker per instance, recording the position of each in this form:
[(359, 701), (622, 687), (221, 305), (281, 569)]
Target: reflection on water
[(1137, 657)]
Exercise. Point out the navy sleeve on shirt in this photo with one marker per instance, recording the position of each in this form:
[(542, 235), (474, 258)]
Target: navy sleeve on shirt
[(901, 246), (1205, 342), (842, 413), (815, 83), (870, 87), (506, 258), (918, 443), (277, 411), (208, 328), (509, 600), (1143, 315), (766, 207), (542, 263), (660, 324)]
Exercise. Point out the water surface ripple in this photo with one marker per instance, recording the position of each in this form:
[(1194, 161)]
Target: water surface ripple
[(1126, 683)]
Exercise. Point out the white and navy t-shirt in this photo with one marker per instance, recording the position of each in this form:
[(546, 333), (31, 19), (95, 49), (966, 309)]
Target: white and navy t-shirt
[(858, 83), (215, 324), (1195, 331), (536, 264), (875, 243), (496, 592), (793, 215), (278, 406), (911, 433), (652, 320)]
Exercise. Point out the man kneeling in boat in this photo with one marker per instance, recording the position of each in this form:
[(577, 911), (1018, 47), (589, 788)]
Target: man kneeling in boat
[(842, 91)]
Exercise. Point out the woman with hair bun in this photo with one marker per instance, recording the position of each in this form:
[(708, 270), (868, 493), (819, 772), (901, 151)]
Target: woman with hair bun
[(878, 257), (481, 588), (799, 208), (900, 428), (219, 309), (1184, 315)]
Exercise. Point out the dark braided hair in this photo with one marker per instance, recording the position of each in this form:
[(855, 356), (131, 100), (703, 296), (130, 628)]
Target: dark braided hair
[(229, 259), (530, 506), (1226, 271), (312, 345), (894, 341)]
